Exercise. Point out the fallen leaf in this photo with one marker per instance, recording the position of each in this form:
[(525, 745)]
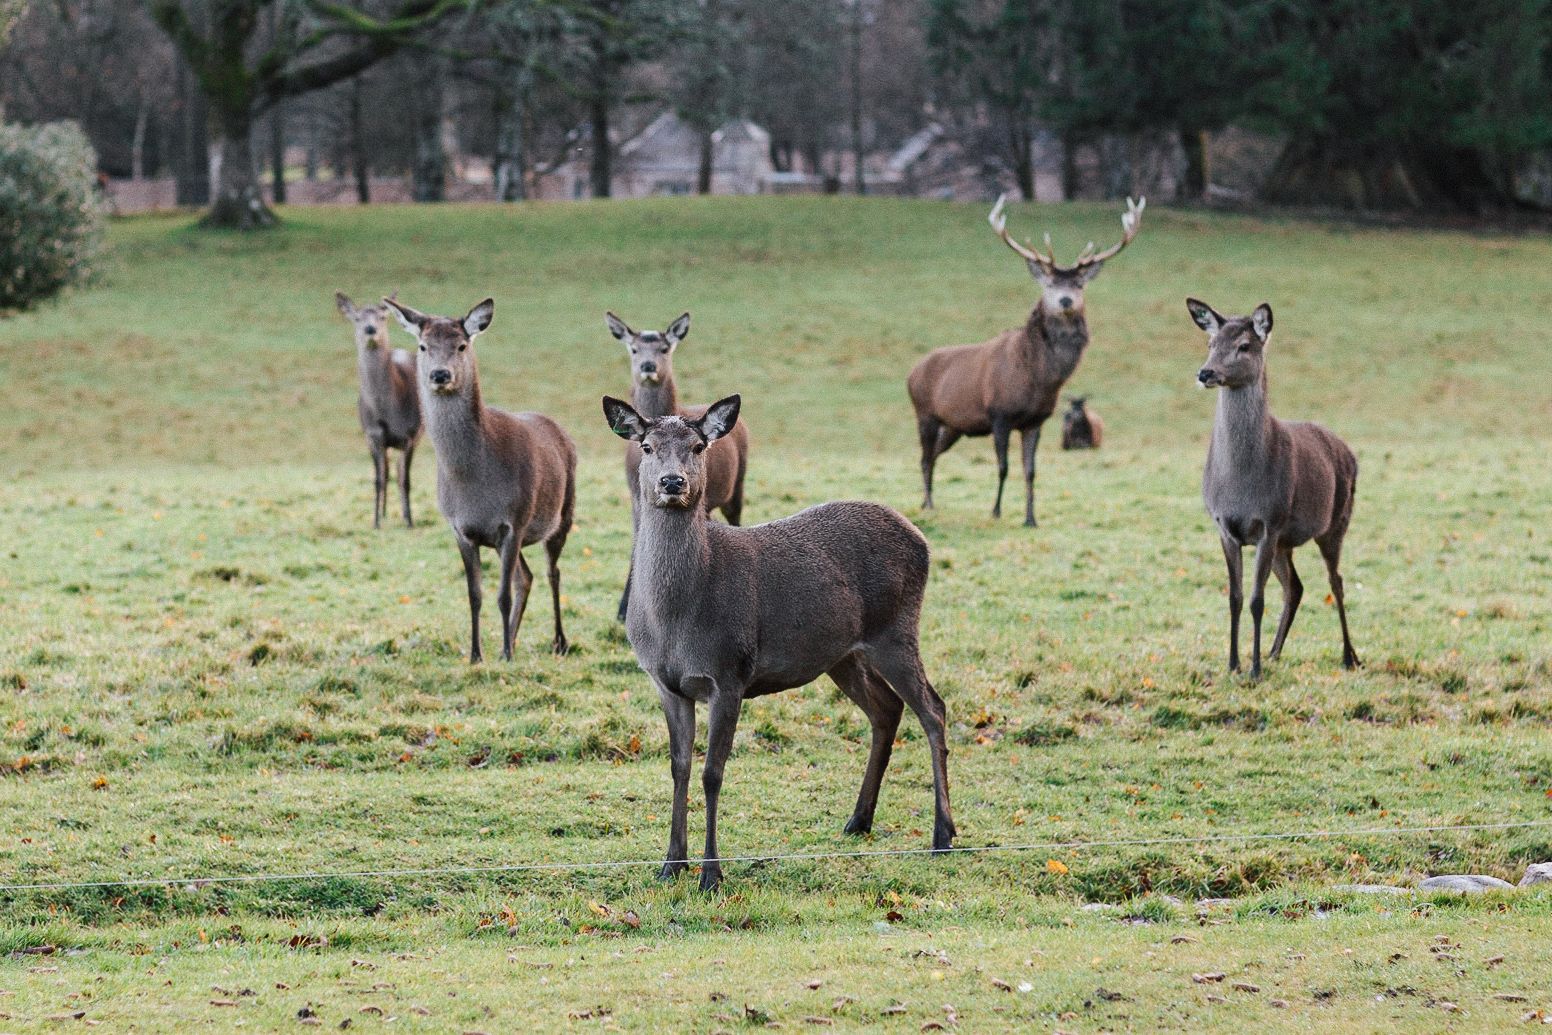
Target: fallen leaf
[(1245, 986), (1208, 978), (223, 1002), (1182, 939), (630, 919), (1057, 867), (1001, 985)]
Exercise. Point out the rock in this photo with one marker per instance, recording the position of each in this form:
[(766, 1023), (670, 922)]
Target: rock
[(1371, 889), (1465, 882), (1099, 907), (1537, 873)]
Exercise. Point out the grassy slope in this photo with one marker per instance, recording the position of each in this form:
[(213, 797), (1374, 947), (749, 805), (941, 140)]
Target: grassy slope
[(197, 612)]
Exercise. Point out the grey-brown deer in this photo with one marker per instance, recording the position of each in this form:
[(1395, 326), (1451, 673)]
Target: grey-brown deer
[(1271, 484), (654, 394), (387, 402), (1082, 428), (1013, 382), (504, 480), (720, 614)]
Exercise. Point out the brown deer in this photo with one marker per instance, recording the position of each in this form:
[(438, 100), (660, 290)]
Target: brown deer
[(386, 403), (1269, 483), (654, 394), (1012, 382), (504, 480), (1082, 428), (720, 614)]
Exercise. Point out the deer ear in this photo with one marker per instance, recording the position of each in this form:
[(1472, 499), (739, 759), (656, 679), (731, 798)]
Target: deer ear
[(618, 328), (412, 319), (1261, 320), (1089, 272), (343, 303), (1039, 271), (479, 317), (623, 420), (719, 418), (678, 330), (1205, 316)]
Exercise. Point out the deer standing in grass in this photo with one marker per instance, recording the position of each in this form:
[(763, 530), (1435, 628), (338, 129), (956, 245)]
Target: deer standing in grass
[(1011, 383), (1082, 428), (654, 394), (719, 614), (387, 403), (504, 480), (1269, 483)]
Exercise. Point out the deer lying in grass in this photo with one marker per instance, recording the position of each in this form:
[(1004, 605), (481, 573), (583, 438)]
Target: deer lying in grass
[(504, 480), (1012, 382), (387, 403), (1271, 483), (1082, 428), (719, 614), (654, 394)]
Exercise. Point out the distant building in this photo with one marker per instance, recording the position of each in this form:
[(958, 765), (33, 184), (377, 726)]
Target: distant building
[(665, 157)]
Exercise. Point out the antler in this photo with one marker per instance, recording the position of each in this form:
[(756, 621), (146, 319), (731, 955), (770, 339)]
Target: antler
[(999, 221), (1131, 222)]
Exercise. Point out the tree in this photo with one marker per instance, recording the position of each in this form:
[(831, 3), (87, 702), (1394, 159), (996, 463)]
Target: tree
[(241, 76)]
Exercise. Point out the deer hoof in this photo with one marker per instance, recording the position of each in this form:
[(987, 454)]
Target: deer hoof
[(672, 868), (1030, 522), (1350, 661), (560, 646), (859, 825), (711, 877)]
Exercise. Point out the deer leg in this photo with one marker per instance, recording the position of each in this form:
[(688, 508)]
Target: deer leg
[(552, 548), (927, 429), (899, 662), (379, 480), (625, 596), (1331, 550), (680, 715), (1293, 592), (883, 709), (404, 482), (1266, 550), (509, 560), (1029, 439), (721, 725), (520, 595), (1001, 431), (1236, 565), (471, 574)]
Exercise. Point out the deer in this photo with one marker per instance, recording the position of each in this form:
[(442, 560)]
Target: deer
[(388, 404), (1269, 483), (504, 480), (1012, 382), (1082, 428), (654, 394), (720, 614)]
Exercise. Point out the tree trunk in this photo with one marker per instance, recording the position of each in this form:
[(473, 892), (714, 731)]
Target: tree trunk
[(600, 174), (429, 174), (703, 173), (193, 171), (1020, 144), (358, 145), (855, 76), (511, 116), (137, 144), (238, 203), (277, 155), (1194, 143), (1070, 183), (1318, 171)]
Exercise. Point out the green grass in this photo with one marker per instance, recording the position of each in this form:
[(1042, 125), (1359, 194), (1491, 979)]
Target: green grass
[(210, 664)]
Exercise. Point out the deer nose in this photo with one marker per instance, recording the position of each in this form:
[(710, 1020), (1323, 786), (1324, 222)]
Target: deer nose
[(649, 368), (371, 331), (1205, 375), (671, 484), (441, 376), (1066, 302)]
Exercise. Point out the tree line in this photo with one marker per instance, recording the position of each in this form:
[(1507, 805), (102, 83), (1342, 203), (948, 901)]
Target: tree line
[(1374, 103)]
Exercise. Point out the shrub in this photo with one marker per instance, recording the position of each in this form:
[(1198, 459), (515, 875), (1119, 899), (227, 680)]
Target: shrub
[(50, 215)]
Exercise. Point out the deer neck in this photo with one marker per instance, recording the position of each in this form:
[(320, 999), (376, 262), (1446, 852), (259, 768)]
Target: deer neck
[(656, 400), (671, 558), (373, 366), (1060, 340), (1241, 426), (456, 424)]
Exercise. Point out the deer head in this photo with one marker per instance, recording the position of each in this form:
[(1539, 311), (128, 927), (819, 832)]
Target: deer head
[(1062, 286), (673, 460), (1236, 345), (369, 321), (651, 353), (446, 359)]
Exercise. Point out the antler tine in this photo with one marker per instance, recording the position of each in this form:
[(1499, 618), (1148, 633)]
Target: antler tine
[(999, 221), (1131, 222)]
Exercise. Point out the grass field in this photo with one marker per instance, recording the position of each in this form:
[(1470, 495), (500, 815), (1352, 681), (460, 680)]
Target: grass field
[(211, 665)]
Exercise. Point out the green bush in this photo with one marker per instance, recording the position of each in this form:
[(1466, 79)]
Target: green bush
[(50, 214)]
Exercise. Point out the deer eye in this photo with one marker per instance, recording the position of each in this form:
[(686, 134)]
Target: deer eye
[(1244, 346), (463, 346), (698, 448), (646, 448), (423, 348)]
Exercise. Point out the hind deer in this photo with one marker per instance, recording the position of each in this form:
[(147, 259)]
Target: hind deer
[(1011, 383), (1271, 484), (720, 614), (654, 394), (1082, 428), (504, 480), (387, 402)]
